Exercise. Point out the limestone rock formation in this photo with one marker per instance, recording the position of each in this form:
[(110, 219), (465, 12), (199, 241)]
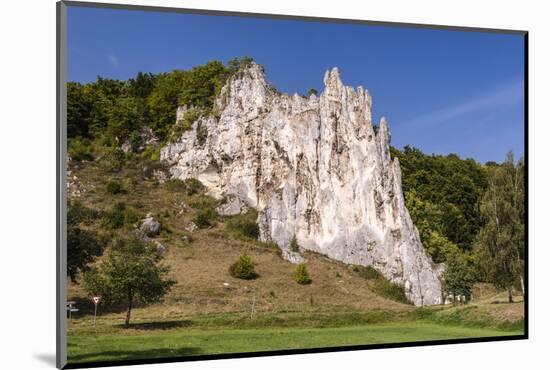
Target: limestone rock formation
[(150, 226), (232, 205), (314, 168)]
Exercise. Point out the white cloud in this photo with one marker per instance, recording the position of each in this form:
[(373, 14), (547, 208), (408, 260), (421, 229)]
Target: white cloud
[(113, 59), (502, 96)]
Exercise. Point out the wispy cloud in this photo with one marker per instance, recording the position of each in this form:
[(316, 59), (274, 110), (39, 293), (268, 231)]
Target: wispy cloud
[(113, 59), (502, 96)]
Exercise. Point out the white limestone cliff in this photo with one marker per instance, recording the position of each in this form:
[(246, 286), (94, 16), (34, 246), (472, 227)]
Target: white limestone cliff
[(314, 168)]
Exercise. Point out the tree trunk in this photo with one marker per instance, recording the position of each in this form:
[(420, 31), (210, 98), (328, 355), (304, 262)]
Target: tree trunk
[(522, 287), (510, 298), (128, 313)]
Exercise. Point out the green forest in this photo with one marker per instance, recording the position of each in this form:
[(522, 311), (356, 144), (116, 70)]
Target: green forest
[(469, 215)]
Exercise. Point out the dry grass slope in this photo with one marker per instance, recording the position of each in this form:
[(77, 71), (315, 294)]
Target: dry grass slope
[(201, 266)]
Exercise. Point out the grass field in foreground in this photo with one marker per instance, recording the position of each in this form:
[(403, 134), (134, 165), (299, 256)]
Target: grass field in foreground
[(188, 342)]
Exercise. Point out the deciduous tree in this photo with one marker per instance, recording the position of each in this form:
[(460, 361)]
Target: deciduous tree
[(132, 273)]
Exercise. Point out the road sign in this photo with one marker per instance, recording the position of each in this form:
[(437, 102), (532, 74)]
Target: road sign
[(95, 299)]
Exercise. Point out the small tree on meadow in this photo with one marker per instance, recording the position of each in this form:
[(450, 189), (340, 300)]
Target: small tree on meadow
[(243, 268), (301, 276), (131, 274)]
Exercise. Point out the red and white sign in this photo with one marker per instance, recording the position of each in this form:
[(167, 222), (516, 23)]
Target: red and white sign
[(96, 299)]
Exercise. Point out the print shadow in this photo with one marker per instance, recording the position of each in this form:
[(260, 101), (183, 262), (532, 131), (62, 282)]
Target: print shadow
[(121, 355), (158, 325)]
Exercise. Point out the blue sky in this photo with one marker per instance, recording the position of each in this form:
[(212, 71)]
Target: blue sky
[(441, 91)]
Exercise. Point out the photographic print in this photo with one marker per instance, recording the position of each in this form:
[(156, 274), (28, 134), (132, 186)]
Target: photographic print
[(241, 184)]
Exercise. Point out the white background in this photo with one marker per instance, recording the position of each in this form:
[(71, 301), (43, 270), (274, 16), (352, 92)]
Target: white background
[(27, 182)]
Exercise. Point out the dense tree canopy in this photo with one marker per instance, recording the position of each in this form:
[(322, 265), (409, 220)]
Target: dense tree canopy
[(114, 110), (82, 245), (500, 243), (443, 194)]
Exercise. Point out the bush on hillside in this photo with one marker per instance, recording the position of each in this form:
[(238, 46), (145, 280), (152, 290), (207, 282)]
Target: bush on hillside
[(114, 187), (188, 186), (185, 124), (194, 186), (381, 286), (245, 225), (367, 272), (202, 201), (205, 218), (77, 213), (136, 141), (81, 149), (294, 246), (119, 215), (387, 289), (113, 159), (301, 276), (243, 268), (202, 134)]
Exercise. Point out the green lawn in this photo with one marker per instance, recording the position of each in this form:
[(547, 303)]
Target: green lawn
[(86, 346)]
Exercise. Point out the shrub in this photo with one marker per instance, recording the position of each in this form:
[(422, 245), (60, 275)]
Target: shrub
[(312, 91), (155, 155), (300, 275), (367, 272), (202, 201), (151, 153), (202, 134), (175, 185), (243, 268), (113, 159), (119, 215), (185, 124), (114, 218), (136, 141), (205, 218), (387, 289), (131, 216), (129, 184), (194, 186), (188, 186), (114, 187), (80, 149), (294, 247), (381, 285), (78, 213), (245, 225)]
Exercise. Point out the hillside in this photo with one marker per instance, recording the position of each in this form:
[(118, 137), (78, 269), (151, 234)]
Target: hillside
[(201, 266)]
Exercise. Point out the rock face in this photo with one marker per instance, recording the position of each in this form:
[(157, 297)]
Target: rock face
[(232, 205), (314, 168), (150, 226)]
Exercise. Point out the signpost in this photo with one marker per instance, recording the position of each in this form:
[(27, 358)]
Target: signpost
[(95, 299), (71, 307)]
